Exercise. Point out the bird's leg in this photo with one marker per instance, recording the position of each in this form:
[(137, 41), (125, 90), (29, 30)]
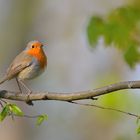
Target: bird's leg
[(29, 91), (19, 85), (25, 86)]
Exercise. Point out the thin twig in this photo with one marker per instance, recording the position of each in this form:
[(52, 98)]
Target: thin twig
[(25, 116), (29, 116), (106, 108)]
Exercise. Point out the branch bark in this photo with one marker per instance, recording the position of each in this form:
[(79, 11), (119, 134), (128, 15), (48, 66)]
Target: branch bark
[(90, 94)]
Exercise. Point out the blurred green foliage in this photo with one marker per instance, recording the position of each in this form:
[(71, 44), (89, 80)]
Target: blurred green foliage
[(117, 100), (138, 123), (121, 28)]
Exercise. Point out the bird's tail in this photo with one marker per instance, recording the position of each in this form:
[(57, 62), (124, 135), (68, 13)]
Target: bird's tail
[(3, 80)]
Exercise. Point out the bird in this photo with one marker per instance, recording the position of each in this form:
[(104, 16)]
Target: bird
[(30, 63)]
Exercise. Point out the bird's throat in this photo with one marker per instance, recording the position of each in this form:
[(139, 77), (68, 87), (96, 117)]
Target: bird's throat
[(39, 55)]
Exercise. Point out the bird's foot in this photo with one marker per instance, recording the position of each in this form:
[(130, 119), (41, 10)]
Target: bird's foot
[(29, 102)]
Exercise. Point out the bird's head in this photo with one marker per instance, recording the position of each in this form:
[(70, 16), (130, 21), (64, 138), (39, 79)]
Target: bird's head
[(34, 45), (35, 49)]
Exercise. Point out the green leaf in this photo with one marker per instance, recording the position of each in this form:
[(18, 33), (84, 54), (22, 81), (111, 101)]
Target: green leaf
[(137, 121), (41, 118), (138, 130), (132, 56), (16, 110), (95, 29), (4, 113)]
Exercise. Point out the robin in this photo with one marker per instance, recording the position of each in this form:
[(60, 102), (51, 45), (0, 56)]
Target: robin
[(30, 63)]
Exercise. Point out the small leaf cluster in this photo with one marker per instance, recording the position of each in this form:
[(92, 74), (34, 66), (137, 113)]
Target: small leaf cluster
[(13, 110), (10, 109), (41, 119)]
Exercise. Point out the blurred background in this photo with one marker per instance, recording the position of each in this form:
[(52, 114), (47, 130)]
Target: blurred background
[(74, 64)]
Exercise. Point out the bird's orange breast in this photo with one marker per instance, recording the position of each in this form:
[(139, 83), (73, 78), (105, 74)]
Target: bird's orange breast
[(39, 54)]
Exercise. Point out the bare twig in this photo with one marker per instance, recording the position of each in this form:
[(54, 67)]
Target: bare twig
[(29, 116), (106, 108)]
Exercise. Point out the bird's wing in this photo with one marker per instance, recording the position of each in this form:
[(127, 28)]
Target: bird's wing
[(21, 62)]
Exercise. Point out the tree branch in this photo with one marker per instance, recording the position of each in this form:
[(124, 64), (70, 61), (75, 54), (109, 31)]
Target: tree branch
[(90, 94)]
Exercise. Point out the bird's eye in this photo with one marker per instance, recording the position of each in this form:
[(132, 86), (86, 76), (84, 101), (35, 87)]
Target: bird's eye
[(33, 46)]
